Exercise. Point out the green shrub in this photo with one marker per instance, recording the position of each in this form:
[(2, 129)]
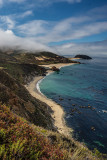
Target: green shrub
[(2, 136)]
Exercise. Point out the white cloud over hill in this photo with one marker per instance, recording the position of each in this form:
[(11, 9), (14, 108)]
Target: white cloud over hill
[(40, 33)]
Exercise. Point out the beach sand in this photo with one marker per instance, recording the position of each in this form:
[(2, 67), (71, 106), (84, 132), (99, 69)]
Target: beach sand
[(58, 65), (58, 113)]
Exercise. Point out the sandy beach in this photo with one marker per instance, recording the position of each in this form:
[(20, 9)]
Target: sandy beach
[(58, 65), (58, 113)]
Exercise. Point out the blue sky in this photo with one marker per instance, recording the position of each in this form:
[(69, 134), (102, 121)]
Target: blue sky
[(64, 26)]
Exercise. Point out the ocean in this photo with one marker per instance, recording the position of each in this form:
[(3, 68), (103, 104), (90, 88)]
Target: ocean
[(81, 90)]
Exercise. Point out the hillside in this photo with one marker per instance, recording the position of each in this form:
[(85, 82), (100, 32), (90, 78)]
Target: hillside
[(13, 74), (4, 57), (23, 72), (21, 140), (31, 137), (43, 57), (24, 65), (15, 95)]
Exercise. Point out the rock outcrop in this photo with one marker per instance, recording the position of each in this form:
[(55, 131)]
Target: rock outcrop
[(82, 56)]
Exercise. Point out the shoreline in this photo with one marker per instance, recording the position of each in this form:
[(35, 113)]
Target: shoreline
[(58, 112)]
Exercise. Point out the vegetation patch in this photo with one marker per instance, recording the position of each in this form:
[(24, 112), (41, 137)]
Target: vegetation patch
[(19, 141)]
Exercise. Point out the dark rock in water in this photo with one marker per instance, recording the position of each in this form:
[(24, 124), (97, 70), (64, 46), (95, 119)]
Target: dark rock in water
[(93, 128), (93, 109), (43, 74), (79, 112), (72, 114), (104, 111), (61, 99), (74, 110), (55, 69), (83, 107), (89, 106), (82, 56)]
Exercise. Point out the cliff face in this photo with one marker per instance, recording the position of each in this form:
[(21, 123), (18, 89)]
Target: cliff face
[(15, 95), (14, 74), (22, 72)]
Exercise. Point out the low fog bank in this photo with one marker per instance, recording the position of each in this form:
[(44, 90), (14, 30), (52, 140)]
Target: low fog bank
[(8, 41), (92, 49)]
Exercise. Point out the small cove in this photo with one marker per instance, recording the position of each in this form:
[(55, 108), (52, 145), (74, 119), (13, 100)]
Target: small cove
[(82, 92)]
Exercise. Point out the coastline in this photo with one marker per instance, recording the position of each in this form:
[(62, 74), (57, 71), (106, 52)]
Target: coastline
[(58, 112), (57, 65)]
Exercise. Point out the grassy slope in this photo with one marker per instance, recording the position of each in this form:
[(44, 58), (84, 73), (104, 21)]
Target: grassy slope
[(49, 58), (22, 72), (14, 73), (6, 57), (22, 103), (23, 66), (21, 140)]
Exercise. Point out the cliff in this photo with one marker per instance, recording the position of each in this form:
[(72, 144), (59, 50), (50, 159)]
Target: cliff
[(15, 95)]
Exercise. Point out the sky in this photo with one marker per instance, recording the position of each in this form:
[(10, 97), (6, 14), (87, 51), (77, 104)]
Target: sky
[(62, 26)]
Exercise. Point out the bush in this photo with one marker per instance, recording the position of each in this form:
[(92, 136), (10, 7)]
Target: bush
[(20, 141)]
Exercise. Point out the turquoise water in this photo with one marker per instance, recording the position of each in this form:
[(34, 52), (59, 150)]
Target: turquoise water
[(82, 92)]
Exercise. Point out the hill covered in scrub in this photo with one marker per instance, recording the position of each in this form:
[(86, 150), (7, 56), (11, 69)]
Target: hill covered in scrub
[(21, 140), (14, 73), (43, 57), (23, 65), (27, 129), (15, 95), (23, 72)]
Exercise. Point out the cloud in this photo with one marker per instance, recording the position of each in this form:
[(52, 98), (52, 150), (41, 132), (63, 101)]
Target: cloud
[(17, 1), (47, 1), (68, 29), (4, 2), (1, 2), (92, 48), (40, 33), (43, 3), (25, 14), (9, 21), (6, 22), (37, 3), (22, 15), (33, 28), (8, 39)]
